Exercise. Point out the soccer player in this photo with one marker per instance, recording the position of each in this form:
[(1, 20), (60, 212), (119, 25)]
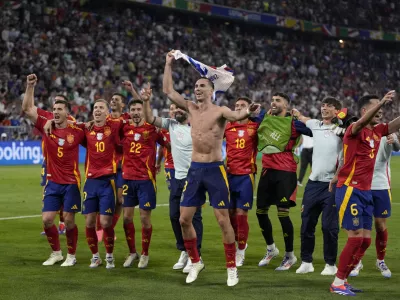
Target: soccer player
[(49, 115), (139, 173), (181, 148), (317, 198), (353, 193), (63, 177), (382, 197), (241, 150), (100, 192), (278, 135), (207, 172)]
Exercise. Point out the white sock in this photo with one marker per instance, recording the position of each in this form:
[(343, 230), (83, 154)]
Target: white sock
[(58, 252), (109, 255), (96, 255), (241, 251), (338, 282), (271, 247), (290, 254), (379, 261)]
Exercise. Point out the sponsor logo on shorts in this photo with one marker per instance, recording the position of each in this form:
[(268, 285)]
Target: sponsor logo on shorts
[(222, 203), (74, 207), (385, 212), (109, 211), (147, 204), (284, 199), (247, 205)]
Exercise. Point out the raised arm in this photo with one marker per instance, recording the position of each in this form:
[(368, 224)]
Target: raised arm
[(233, 116), (365, 119), (28, 105), (148, 115), (168, 84), (160, 155), (299, 116), (129, 87), (394, 125)]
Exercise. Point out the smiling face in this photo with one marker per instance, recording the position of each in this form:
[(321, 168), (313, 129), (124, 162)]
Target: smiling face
[(100, 111), (117, 104), (241, 105), (278, 105), (136, 112), (203, 90), (378, 116), (60, 113), (328, 111)]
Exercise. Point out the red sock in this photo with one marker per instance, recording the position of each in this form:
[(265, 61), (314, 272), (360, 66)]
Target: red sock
[(146, 238), (191, 249), (242, 231), (233, 219), (115, 220), (53, 237), (380, 244), (347, 256), (109, 239), (72, 239), (230, 255), (91, 238), (98, 224), (62, 214), (130, 236), (366, 242)]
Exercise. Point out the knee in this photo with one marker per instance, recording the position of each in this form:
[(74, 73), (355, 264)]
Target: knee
[(283, 213), (262, 211), (185, 221), (128, 219), (69, 224), (145, 220), (106, 223), (47, 222), (223, 222), (90, 223)]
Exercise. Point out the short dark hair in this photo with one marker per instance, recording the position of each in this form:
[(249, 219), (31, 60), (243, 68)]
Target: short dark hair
[(133, 102), (62, 96), (120, 95), (209, 81), (365, 100), (66, 103), (283, 95), (102, 101), (332, 101), (248, 100)]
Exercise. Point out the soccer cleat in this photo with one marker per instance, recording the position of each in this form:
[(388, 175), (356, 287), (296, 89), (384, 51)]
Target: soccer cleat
[(61, 228), (110, 263), (129, 260), (381, 265), (268, 257), (188, 266), (351, 288), (341, 290), (70, 261), (194, 271), (182, 261), (329, 270), (287, 263), (143, 262), (357, 269), (55, 257), (95, 262), (240, 256), (99, 235), (43, 233), (233, 277), (305, 267)]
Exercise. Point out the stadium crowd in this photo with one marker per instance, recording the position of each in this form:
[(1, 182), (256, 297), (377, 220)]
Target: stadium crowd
[(371, 14), (86, 56)]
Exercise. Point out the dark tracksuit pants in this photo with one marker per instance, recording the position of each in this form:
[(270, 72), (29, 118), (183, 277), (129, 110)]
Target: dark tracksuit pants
[(316, 200), (174, 214), (305, 160)]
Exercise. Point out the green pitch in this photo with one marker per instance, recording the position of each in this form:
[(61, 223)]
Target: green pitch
[(23, 249)]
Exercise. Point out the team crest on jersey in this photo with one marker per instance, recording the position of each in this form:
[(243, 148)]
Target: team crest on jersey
[(376, 138), (251, 131), (371, 143), (146, 134), (241, 133), (92, 133), (356, 222), (70, 138), (99, 136), (107, 131), (61, 142), (137, 137)]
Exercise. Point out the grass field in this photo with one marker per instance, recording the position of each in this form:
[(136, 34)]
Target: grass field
[(23, 249)]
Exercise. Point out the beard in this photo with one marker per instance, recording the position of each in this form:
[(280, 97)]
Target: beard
[(181, 117)]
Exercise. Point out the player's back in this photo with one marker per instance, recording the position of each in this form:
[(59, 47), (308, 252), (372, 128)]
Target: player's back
[(241, 147), (359, 153)]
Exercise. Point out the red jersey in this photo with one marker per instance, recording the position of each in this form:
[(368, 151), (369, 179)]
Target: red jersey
[(359, 153), (119, 152), (62, 154), (283, 161), (102, 142), (241, 148), (168, 161), (139, 145), (49, 115)]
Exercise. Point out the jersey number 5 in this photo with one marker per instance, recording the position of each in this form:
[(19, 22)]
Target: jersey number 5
[(60, 152), (240, 143)]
